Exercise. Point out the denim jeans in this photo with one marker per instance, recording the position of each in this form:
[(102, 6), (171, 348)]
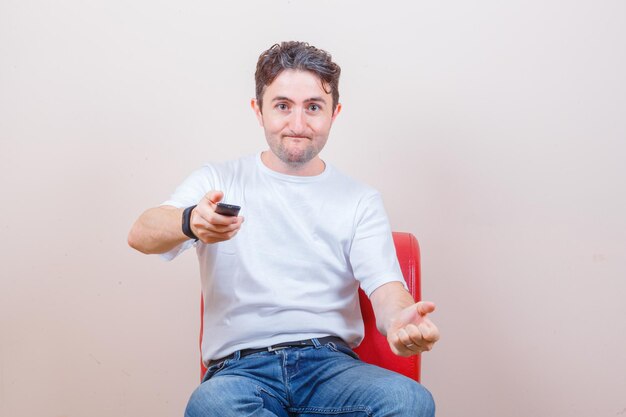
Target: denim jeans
[(312, 381)]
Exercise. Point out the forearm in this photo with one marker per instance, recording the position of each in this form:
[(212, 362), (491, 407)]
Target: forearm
[(388, 301), (157, 230)]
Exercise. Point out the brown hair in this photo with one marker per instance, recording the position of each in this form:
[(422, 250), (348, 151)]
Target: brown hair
[(298, 56)]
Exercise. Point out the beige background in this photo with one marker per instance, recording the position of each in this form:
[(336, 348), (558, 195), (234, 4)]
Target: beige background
[(495, 131)]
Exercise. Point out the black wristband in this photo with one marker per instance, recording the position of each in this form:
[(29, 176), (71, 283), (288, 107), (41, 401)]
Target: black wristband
[(187, 223)]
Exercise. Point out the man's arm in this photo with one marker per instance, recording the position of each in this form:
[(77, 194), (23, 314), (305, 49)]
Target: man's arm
[(403, 321), (159, 229)]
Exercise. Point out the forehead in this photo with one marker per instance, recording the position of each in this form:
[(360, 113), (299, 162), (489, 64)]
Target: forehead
[(296, 85)]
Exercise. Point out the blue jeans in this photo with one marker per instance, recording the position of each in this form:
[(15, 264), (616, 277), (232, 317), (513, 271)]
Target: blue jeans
[(312, 381)]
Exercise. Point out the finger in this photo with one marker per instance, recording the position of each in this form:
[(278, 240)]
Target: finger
[(424, 336), (430, 332), (217, 223), (393, 341), (214, 196), (210, 226), (405, 339), (397, 347), (217, 236), (211, 236), (226, 224), (425, 307), (206, 213), (218, 228), (415, 334), (420, 343), (217, 219), (406, 348)]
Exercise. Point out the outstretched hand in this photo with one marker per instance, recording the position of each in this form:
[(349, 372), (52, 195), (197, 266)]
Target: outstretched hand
[(209, 226), (411, 332)]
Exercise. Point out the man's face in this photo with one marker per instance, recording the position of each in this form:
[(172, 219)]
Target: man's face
[(296, 116)]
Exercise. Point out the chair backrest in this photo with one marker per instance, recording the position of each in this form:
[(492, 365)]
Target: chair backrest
[(374, 349)]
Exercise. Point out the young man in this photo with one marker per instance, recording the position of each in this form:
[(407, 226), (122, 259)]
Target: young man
[(280, 289)]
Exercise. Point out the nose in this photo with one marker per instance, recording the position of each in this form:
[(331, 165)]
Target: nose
[(297, 121)]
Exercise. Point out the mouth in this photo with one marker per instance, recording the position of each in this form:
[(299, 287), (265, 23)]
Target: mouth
[(297, 137)]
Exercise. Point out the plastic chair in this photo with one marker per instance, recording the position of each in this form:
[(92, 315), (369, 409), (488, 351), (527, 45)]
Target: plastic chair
[(374, 348)]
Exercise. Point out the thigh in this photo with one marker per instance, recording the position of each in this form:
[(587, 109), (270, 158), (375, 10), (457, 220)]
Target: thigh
[(233, 392), (333, 381)]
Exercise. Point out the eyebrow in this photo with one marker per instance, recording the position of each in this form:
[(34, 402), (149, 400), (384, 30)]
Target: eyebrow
[(312, 99)]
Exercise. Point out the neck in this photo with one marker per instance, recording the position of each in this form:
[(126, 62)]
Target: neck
[(308, 169)]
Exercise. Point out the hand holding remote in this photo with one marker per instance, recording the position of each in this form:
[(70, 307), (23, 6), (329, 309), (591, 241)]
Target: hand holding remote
[(211, 226)]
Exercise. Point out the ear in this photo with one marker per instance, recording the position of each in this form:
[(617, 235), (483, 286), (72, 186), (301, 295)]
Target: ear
[(257, 110), (336, 112)]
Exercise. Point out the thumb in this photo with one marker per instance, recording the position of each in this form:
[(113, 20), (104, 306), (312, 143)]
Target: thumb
[(425, 307), (214, 196)]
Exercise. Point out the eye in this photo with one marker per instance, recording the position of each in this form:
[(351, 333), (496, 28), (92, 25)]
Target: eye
[(282, 106), (314, 107)]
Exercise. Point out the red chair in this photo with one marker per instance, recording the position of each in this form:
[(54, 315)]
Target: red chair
[(374, 349)]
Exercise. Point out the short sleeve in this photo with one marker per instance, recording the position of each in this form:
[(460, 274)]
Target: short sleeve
[(372, 253), (193, 188), (188, 193)]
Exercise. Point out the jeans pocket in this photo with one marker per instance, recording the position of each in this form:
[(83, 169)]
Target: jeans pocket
[(213, 369), (341, 348)]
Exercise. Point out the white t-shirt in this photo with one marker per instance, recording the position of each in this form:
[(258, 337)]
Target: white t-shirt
[(293, 270)]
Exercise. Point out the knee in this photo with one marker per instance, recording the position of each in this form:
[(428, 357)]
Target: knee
[(414, 400), (407, 398)]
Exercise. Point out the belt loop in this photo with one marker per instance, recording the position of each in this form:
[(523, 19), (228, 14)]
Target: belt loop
[(275, 348), (316, 342), (237, 355)]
